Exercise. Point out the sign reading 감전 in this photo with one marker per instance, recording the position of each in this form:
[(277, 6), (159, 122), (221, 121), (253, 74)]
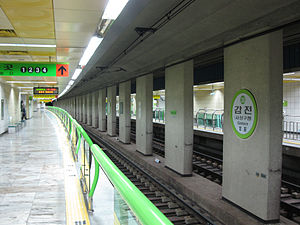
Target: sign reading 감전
[(37, 69), (243, 113)]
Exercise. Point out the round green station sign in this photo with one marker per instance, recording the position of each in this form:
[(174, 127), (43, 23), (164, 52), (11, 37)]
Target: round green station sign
[(243, 113)]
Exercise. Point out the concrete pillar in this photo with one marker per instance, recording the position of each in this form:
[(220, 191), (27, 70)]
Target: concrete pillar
[(27, 106), (124, 111), (111, 110), (89, 109), (95, 109), (144, 120), (79, 108), (30, 106), (252, 165), (35, 105), (75, 108), (84, 110), (179, 118), (14, 106), (102, 110)]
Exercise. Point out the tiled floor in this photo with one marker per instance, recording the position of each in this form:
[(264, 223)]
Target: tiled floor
[(32, 175)]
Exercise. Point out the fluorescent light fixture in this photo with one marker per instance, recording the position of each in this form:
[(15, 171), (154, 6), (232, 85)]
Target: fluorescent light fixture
[(216, 83), (24, 87), (89, 51), (292, 79), (30, 82), (27, 45), (76, 74), (71, 82), (68, 87), (113, 9), (286, 74)]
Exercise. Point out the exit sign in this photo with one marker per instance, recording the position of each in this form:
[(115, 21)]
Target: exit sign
[(36, 69)]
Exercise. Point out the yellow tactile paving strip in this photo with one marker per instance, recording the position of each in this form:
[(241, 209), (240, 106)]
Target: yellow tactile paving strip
[(76, 212)]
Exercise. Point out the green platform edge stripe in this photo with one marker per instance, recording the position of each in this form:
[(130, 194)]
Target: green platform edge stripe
[(247, 92), (146, 212)]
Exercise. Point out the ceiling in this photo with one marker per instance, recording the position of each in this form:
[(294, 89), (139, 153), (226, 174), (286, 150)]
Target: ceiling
[(182, 33), (68, 24)]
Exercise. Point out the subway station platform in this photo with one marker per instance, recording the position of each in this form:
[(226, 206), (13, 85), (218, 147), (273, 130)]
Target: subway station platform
[(41, 181), (38, 185), (32, 174)]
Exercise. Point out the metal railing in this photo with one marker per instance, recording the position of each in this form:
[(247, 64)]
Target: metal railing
[(83, 150), (291, 127), (210, 118), (159, 115)]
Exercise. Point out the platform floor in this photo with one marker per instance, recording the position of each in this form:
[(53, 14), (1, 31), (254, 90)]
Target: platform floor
[(32, 175)]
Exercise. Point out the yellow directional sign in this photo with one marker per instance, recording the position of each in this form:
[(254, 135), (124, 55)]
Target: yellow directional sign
[(45, 96), (46, 100)]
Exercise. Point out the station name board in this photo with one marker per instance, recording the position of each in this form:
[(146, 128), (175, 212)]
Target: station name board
[(36, 69), (45, 90)]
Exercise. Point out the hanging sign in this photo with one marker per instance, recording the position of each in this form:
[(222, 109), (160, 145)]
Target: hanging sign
[(44, 96), (45, 90), (36, 69), (243, 113)]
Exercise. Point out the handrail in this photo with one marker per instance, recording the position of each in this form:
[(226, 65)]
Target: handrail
[(145, 211)]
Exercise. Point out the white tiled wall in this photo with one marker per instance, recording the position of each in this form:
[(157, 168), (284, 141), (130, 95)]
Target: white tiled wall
[(291, 93)]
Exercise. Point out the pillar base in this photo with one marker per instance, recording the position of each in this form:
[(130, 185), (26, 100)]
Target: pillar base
[(251, 214), (144, 153), (125, 143), (183, 175)]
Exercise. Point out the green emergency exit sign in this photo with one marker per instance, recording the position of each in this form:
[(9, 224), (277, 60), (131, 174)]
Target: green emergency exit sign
[(37, 69)]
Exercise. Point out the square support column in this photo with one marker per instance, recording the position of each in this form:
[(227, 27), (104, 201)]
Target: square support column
[(252, 164), (27, 103), (89, 109), (144, 120), (124, 112), (102, 110), (179, 118), (95, 109), (76, 109), (84, 109), (111, 110), (79, 108), (14, 106)]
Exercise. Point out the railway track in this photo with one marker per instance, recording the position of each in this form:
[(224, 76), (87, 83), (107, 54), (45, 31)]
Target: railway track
[(178, 209), (210, 167)]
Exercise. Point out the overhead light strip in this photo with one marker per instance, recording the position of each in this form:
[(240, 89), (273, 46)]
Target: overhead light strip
[(76, 74), (292, 79), (287, 74), (113, 9), (27, 45), (89, 51)]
